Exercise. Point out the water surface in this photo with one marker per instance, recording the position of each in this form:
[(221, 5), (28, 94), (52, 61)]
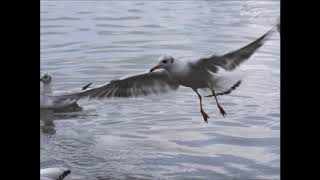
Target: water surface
[(160, 137)]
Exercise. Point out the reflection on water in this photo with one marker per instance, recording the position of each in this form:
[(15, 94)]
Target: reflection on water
[(160, 137), (48, 116), (47, 125)]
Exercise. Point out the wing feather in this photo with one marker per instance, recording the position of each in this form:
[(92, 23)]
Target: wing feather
[(138, 85), (233, 59)]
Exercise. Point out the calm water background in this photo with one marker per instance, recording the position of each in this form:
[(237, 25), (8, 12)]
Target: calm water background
[(160, 137)]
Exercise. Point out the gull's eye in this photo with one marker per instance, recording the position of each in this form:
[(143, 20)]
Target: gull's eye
[(164, 61)]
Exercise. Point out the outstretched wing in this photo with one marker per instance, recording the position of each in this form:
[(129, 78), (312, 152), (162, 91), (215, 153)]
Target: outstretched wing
[(232, 59), (138, 85)]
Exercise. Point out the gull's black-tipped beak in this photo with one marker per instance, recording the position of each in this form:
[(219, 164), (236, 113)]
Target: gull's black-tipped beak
[(154, 68)]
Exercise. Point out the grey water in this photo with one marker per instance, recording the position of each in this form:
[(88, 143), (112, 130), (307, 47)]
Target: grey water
[(160, 137)]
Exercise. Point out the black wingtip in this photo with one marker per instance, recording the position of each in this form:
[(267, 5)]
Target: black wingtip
[(264, 37), (86, 86), (64, 174), (235, 86)]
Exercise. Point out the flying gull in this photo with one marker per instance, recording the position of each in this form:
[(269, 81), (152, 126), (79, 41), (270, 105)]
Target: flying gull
[(54, 173), (203, 73)]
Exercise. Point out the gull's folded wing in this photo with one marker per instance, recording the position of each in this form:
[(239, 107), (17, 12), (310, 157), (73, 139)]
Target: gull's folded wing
[(54, 173)]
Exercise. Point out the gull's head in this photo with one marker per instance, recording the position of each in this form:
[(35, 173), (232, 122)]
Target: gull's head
[(165, 62), (46, 79)]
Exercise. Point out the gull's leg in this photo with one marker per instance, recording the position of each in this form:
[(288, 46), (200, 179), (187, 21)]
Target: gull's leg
[(204, 114), (218, 104)]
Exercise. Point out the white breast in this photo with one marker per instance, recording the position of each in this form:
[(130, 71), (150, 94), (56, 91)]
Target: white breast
[(48, 99), (45, 96)]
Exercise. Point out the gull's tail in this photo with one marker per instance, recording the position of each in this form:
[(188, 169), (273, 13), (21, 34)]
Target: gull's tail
[(226, 81)]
